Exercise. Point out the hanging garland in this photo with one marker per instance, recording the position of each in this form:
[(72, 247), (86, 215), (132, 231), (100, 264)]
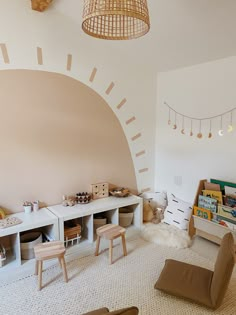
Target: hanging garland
[(199, 120)]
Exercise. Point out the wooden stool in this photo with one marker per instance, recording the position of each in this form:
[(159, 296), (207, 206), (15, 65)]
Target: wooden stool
[(111, 232), (45, 251)]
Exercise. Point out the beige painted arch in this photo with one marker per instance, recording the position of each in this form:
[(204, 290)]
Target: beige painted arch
[(134, 140), (57, 137)]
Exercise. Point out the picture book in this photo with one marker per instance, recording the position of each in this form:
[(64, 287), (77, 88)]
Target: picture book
[(227, 212), (211, 186), (230, 201), (207, 203), (202, 213), (213, 194), (230, 191)]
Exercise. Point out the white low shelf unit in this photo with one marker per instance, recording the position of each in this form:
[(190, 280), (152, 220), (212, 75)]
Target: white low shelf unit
[(108, 206), (42, 220)]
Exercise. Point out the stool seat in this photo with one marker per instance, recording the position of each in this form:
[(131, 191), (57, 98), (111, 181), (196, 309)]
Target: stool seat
[(111, 232), (45, 251)]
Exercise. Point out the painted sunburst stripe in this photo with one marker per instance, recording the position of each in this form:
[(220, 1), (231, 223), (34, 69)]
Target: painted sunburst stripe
[(140, 153), (110, 87), (130, 120), (138, 135), (121, 103), (92, 76), (145, 189), (4, 53), (40, 56), (142, 170), (69, 62)]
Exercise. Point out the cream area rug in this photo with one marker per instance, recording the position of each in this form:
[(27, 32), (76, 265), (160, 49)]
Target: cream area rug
[(168, 235), (94, 283)]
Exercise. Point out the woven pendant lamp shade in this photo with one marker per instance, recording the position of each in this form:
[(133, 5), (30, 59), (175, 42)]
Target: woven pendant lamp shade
[(115, 19)]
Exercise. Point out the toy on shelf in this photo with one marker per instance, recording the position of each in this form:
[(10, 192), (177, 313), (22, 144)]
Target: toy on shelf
[(68, 201), (2, 214), (120, 192), (83, 197), (9, 221), (100, 190), (27, 205)]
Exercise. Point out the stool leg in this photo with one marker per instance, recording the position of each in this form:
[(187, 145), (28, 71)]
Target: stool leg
[(97, 246), (110, 251), (40, 269), (36, 267), (59, 259), (124, 244), (64, 268)]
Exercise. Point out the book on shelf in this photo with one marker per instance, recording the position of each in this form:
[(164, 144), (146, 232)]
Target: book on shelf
[(230, 201), (230, 191), (227, 212), (202, 213), (207, 203), (213, 194), (211, 186)]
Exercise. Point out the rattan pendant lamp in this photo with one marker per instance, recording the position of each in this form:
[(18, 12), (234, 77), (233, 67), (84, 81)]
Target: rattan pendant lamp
[(115, 19)]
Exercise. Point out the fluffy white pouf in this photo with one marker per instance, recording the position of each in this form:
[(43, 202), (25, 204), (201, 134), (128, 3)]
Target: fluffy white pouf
[(163, 234)]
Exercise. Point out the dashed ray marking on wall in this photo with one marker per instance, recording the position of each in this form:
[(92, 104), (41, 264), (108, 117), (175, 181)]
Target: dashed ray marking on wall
[(142, 170), (40, 56), (145, 189), (93, 74), (110, 87), (4, 53), (140, 153), (69, 62), (130, 120), (138, 135), (121, 103)]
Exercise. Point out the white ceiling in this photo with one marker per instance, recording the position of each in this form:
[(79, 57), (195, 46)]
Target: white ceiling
[(183, 32)]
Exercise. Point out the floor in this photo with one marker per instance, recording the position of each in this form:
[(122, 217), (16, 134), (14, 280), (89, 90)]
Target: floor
[(199, 245)]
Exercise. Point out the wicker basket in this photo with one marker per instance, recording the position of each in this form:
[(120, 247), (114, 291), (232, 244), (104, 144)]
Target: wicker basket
[(98, 222), (125, 217), (27, 243)]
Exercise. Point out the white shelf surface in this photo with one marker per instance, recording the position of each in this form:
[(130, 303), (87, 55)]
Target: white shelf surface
[(94, 206), (30, 221)]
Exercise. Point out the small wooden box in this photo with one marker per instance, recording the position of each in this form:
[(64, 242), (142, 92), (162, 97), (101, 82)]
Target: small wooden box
[(100, 190), (202, 213)]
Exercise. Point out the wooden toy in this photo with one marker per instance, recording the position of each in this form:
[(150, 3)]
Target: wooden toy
[(100, 190)]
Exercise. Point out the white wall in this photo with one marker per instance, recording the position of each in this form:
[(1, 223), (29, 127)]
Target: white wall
[(22, 30), (200, 91)]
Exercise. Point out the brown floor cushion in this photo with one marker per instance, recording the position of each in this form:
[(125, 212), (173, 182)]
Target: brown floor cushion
[(124, 311), (185, 280), (199, 284)]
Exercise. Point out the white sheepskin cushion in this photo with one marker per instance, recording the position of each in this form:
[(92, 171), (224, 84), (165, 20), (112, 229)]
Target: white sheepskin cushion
[(167, 235), (177, 213)]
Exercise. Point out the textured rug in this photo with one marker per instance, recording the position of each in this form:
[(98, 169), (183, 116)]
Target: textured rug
[(94, 283), (168, 235)]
